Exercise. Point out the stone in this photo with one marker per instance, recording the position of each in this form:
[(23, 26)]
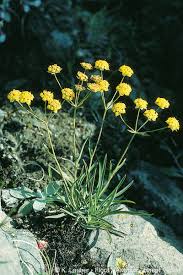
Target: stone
[(19, 253), (160, 194), (147, 246)]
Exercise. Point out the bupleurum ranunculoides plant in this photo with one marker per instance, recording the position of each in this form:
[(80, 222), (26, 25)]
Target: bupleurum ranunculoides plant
[(81, 193)]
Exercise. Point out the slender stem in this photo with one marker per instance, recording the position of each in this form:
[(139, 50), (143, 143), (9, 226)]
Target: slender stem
[(128, 126), (121, 159), (142, 125), (98, 139), (59, 84), (74, 135), (137, 119), (159, 129)]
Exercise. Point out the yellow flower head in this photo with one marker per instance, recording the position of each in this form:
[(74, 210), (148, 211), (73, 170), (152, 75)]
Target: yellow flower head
[(140, 103), (94, 87), (81, 76), (14, 95), (162, 103), (46, 95), (68, 94), (54, 105), (104, 85), (86, 66), (120, 263), (119, 108), (96, 78), (126, 70), (173, 124), (102, 65), (151, 114), (54, 69), (26, 97), (79, 88), (124, 89)]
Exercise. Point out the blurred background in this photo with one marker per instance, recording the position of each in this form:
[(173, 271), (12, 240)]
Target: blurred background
[(147, 35)]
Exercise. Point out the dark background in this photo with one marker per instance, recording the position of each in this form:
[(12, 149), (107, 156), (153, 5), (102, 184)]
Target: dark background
[(147, 35)]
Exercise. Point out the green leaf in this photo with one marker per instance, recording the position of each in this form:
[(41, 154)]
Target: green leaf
[(52, 188), (22, 193), (25, 208), (39, 205)]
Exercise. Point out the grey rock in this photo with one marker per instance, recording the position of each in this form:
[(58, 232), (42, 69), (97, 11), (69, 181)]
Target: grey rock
[(160, 194), (28, 252), (8, 199), (19, 253), (148, 245)]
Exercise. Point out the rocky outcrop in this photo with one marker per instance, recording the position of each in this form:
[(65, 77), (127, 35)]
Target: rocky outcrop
[(148, 247)]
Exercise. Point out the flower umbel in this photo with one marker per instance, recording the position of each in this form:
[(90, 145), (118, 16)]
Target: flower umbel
[(68, 94), (102, 65), (54, 69), (14, 95), (96, 78), (124, 89), (119, 108), (140, 103), (94, 87), (86, 66), (54, 105), (120, 263), (162, 103), (81, 76), (46, 95), (151, 114), (26, 97), (79, 88), (126, 70), (173, 124), (104, 85)]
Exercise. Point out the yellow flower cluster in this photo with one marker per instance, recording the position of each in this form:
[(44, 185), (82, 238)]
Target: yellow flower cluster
[(14, 95), (126, 70), (173, 124), (120, 263), (162, 103), (68, 94), (46, 95), (86, 66), (81, 76), (96, 78), (124, 89), (21, 97), (54, 105), (79, 88), (93, 87), (54, 69), (26, 97), (102, 65), (140, 103), (119, 108), (151, 114), (104, 85)]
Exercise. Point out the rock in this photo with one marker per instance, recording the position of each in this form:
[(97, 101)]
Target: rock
[(147, 246), (19, 253), (160, 194), (8, 199)]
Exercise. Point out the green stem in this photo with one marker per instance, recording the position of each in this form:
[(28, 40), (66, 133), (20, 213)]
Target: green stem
[(128, 126), (59, 84), (118, 165), (137, 119), (98, 139), (159, 129)]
